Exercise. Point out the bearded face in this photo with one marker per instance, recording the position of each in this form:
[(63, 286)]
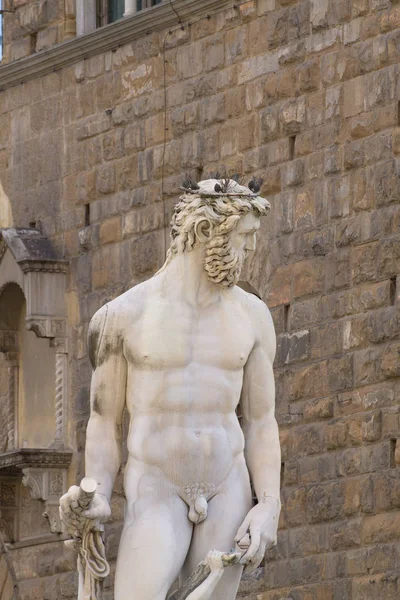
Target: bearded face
[(225, 253), (222, 262)]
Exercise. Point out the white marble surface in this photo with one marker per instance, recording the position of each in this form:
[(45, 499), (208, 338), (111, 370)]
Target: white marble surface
[(181, 351)]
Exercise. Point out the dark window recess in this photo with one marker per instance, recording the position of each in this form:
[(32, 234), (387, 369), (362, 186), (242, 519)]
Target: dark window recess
[(116, 10), (393, 290), (393, 453), (141, 4), (109, 11), (87, 215), (292, 144), (286, 312), (282, 474)]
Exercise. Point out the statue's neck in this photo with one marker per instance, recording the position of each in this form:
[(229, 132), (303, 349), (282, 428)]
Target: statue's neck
[(185, 277)]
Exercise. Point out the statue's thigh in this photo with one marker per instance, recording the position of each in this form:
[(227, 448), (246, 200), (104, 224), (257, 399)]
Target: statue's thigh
[(152, 550), (226, 512)]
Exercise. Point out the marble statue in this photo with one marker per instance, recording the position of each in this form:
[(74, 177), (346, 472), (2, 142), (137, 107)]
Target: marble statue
[(181, 351)]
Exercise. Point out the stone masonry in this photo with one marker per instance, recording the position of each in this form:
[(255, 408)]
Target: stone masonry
[(36, 25), (305, 93)]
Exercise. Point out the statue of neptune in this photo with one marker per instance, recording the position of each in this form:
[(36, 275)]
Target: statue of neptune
[(181, 351)]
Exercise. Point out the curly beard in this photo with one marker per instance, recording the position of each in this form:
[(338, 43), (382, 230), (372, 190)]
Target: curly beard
[(222, 263)]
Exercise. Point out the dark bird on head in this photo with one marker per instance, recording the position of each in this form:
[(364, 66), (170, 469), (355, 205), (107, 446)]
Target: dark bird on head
[(189, 183), (218, 188), (256, 184)]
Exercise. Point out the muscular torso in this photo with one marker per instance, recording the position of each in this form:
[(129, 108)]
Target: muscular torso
[(184, 378)]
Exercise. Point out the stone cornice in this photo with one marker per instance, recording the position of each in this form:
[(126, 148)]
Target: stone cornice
[(57, 266), (106, 38), (38, 458)]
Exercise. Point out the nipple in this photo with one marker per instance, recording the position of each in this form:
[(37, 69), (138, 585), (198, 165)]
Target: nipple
[(198, 510)]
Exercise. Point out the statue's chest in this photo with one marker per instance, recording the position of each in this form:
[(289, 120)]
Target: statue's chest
[(173, 336)]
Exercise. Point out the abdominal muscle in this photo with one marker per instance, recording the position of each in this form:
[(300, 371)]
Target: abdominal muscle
[(187, 452), (183, 422)]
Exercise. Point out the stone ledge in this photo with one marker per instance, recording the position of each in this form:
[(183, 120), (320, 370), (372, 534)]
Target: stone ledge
[(49, 538), (38, 458), (105, 38)]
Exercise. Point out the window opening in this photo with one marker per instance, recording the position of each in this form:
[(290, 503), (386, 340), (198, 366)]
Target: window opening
[(87, 215), (292, 147), (141, 4), (109, 11), (393, 290), (286, 311), (116, 9)]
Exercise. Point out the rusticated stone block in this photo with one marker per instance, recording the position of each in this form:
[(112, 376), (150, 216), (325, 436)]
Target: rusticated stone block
[(293, 347), (325, 502), (364, 263), (390, 364), (336, 434), (305, 313), (344, 534), (375, 588), (380, 528), (295, 507), (269, 124), (293, 116), (293, 173), (110, 230), (146, 254), (266, 6), (308, 277), (318, 409)]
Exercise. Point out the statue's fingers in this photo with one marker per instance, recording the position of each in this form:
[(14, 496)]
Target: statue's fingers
[(97, 512), (257, 560), (253, 549), (91, 513), (243, 529)]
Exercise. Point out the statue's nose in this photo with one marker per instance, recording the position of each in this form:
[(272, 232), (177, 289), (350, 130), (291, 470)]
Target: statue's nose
[(251, 242)]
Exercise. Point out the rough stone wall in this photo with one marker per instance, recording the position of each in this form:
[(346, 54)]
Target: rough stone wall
[(36, 25), (306, 93)]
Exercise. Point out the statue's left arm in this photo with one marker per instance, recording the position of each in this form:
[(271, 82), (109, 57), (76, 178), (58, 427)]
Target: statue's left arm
[(262, 447)]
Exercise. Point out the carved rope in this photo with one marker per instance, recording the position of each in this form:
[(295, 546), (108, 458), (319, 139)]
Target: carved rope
[(11, 405), (60, 396)]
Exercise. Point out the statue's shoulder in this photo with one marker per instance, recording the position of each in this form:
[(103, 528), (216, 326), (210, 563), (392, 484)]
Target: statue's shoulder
[(254, 306), (259, 316), (108, 324)]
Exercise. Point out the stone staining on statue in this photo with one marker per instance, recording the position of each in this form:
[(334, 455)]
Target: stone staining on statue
[(187, 479)]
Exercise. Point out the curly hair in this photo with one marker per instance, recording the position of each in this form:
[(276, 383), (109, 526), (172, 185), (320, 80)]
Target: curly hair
[(222, 213)]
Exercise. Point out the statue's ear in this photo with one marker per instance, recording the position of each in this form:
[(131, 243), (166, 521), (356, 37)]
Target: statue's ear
[(202, 230)]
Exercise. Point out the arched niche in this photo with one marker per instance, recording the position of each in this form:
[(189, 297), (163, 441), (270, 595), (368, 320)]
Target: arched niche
[(34, 358), (33, 367)]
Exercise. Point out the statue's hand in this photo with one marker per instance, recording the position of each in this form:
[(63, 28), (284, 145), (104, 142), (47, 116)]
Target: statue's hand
[(99, 509), (262, 525), (75, 517), (214, 560)]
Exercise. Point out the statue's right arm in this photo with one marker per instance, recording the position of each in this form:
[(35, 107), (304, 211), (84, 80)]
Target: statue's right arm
[(107, 400)]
